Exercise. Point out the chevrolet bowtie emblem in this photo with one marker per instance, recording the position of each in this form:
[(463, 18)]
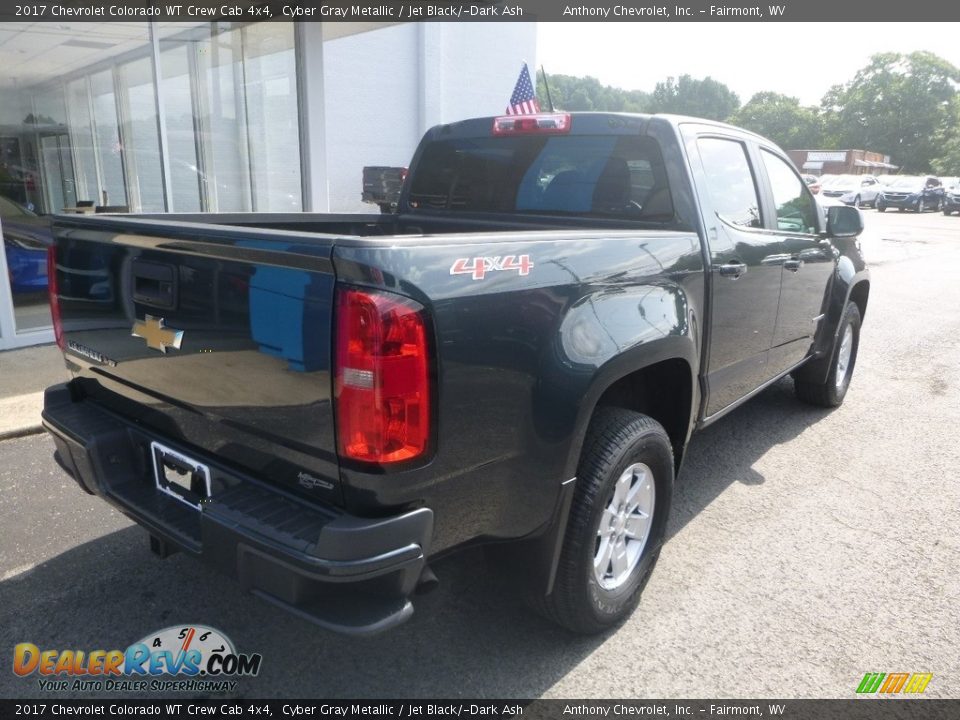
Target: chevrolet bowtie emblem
[(158, 336)]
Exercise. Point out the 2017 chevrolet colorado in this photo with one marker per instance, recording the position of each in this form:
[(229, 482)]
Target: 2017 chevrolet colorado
[(321, 405)]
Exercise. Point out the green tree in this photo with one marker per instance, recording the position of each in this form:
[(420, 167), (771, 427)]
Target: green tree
[(947, 161), (586, 93), (899, 105), (782, 119), (706, 98)]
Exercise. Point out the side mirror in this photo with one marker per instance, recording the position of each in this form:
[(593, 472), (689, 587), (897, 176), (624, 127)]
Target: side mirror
[(844, 221)]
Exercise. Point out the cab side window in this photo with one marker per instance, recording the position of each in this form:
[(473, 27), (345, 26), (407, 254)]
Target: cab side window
[(796, 210), (730, 181)]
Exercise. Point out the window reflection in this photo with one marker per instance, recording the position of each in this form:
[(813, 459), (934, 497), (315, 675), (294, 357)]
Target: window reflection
[(209, 122), (730, 180), (795, 206)]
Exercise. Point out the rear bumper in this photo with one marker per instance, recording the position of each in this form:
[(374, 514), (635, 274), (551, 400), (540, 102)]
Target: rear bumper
[(344, 573)]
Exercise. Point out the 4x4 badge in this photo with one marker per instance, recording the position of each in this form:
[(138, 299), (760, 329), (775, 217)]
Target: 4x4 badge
[(158, 336)]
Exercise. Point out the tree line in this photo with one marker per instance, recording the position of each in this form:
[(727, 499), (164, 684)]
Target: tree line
[(906, 106)]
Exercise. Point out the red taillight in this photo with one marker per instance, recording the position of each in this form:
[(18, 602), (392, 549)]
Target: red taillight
[(552, 124), (382, 384), (54, 293)]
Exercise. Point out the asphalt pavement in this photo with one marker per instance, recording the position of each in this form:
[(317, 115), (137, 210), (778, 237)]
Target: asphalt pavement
[(806, 548)]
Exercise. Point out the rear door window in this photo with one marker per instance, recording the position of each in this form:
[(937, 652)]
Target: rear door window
[(730, 181)]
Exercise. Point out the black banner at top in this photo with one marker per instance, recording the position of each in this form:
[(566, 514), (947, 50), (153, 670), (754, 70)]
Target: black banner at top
[(480, 10)]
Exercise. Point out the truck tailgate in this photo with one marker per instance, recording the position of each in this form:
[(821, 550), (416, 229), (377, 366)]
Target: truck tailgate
[(215, 338)]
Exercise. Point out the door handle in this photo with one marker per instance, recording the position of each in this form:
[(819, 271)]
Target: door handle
[(793, 264), (732, 269)]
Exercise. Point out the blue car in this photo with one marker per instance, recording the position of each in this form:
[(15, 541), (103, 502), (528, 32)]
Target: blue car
[(26, 237), (912, 193)]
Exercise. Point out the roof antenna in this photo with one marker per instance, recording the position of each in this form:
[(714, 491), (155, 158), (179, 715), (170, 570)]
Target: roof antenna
[(547, 86)]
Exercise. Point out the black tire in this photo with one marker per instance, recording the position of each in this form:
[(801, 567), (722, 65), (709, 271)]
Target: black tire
[(921, 206), (829, 393), (856, 201), (880, 207), (616, 439)]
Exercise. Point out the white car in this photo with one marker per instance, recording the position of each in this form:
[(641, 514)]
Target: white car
[(853, 190)]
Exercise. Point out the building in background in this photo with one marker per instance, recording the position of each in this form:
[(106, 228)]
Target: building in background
[(842, 162), (219, 117)]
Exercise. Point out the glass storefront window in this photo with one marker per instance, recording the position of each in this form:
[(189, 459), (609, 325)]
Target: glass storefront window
[(81, 139), (109, 148), (141, 140), (186, 178), (90, 135), (271, 87), (223, 118)]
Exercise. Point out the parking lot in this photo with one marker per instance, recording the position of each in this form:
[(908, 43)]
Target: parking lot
[(806, 548)]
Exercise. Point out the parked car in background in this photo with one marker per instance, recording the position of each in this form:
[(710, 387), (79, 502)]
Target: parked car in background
[(26, 237), (812, 182), (917, 193), (951, 199), (853, 190)]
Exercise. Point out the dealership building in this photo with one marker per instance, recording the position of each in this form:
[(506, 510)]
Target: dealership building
[(842, 162), (219, 117)]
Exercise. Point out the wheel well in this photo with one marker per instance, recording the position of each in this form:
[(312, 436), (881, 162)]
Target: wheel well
[(662, 391), (859, 295)]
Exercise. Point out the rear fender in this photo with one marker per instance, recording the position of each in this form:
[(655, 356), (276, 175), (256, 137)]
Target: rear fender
[(673, 338)]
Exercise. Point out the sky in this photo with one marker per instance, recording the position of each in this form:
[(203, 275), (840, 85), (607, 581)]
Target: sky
[(799, 59)]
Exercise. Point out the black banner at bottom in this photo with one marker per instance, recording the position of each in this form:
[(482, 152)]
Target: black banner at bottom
[(864, 708)]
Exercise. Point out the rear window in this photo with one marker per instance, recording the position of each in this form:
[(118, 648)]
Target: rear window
[(585, 175)]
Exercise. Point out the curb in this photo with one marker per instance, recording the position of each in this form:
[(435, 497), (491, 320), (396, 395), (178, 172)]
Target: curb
[(19, 432), (20, 415)]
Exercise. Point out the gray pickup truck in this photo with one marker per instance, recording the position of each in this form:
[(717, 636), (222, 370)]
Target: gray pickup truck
[(322, 405)]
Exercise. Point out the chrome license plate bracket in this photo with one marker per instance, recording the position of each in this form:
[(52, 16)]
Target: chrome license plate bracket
[(179, 476)]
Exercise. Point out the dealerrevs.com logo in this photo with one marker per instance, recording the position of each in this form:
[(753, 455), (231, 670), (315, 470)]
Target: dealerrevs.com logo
[(199, 659)]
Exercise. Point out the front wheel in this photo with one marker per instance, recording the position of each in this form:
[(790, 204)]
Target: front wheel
[(617, 522), (921, 206), (833, 390), (880, 207)]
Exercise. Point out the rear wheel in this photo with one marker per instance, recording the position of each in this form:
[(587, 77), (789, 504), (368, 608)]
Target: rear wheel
[(617, 522), (832, 391)]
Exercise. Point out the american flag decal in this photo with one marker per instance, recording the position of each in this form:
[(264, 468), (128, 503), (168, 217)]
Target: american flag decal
[(524, 98)]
